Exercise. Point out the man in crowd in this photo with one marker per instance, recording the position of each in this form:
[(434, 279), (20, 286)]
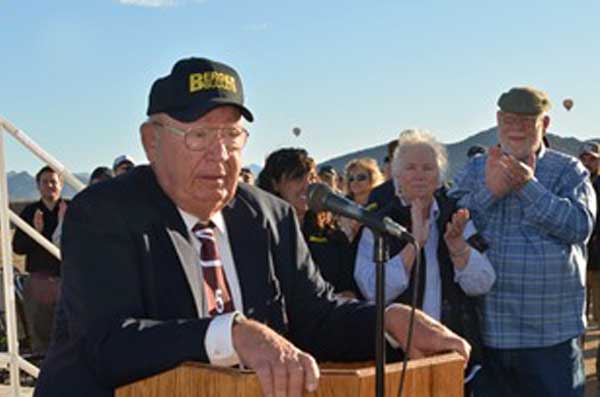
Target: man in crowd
[(590, 157), (122, 164), (247, 176), (536, 207), (42, 285), (476, 150), (100, 174), (175, 262), (383, 194), (329, 176)]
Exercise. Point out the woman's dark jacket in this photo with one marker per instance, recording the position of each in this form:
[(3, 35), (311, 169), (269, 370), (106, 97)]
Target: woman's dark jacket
[(331, 252)]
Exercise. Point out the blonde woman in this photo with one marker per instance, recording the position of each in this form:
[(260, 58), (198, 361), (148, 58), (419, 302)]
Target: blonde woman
[(360, 177)]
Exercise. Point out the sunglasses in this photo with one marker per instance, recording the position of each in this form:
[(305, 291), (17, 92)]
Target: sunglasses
[(358, 178)]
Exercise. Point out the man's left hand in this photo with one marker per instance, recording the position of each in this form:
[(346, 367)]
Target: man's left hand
[(520, 172)]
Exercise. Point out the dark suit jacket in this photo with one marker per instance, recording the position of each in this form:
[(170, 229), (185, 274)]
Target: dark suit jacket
[(120, 262), (381, 195)]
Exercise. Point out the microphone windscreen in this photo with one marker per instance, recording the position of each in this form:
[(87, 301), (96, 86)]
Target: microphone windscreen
[(317, 194)]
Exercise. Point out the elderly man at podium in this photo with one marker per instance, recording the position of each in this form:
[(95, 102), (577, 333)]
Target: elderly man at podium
[(175, 262)]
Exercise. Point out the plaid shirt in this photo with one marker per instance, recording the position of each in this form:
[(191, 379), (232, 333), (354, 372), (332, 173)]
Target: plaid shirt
[(537, 242)]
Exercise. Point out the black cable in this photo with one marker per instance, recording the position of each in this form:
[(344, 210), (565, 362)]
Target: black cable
[(415, 276)]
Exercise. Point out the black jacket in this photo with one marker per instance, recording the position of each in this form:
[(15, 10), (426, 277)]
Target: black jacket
[(120, 262), (330, 250), (381, 195), (38, 259), (594, 243)]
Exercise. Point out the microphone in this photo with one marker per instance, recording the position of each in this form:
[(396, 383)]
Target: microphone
[(322, 198)]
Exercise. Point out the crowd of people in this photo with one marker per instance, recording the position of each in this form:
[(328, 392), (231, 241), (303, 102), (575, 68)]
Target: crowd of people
[(41, 289), (193, 257)]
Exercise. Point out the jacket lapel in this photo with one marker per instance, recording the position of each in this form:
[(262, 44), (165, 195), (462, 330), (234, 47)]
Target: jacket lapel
[(168, 222), (249, 241)]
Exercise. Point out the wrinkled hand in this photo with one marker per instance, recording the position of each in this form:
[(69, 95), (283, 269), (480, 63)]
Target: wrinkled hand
[(62, 208), (429, 336), (520, 173), (420, 224), (38, 220), (282, 369), (497, 175), (454, 230)]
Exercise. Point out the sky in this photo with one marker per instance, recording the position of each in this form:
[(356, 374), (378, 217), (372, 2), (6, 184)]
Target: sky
[(75, 75)]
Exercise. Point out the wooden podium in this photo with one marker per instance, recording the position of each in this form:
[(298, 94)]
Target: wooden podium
[(439, 376)]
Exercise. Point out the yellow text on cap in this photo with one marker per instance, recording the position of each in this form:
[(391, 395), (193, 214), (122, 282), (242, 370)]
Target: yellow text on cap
[(211, 80)]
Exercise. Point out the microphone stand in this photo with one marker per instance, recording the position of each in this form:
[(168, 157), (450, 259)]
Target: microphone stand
[(380, 257)]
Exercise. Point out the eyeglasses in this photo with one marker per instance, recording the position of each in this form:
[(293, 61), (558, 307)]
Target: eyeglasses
[(199, 138), (358, 178), (524, 122)]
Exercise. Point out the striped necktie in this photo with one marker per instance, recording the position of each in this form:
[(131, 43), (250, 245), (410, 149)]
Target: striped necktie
[(216, 288)]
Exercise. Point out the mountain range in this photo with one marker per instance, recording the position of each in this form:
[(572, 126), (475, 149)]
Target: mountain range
[(22, 187)]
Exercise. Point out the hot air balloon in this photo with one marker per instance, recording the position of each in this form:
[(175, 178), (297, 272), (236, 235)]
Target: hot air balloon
[(296, 131), (568, 104)]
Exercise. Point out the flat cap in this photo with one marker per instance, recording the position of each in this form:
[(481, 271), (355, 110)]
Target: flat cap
[(524, 100)]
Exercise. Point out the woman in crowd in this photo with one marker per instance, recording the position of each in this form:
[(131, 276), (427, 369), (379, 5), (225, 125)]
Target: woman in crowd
[(361, 176), (454, 267), (287, 174)]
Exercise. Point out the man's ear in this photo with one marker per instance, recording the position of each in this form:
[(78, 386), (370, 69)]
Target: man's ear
[(498, 118), (149, 141), (546, 121)]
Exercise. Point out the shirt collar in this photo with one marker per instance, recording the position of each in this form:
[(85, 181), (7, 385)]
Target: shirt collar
[(191, 221), (434, 211), (540, 153)]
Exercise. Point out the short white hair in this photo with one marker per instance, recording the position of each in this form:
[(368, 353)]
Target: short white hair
[(419, 137)]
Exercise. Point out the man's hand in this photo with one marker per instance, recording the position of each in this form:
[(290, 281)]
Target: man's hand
[(429, 336), (38, 220), (497, 175), (282, 368), (521, 173)]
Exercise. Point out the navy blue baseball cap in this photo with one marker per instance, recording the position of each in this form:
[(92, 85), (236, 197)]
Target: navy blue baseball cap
[(194, 87)]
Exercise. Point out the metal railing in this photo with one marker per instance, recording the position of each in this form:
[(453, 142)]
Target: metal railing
[(12, 358)]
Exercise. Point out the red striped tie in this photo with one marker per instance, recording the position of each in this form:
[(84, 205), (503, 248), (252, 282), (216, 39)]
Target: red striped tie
[(218, 297)]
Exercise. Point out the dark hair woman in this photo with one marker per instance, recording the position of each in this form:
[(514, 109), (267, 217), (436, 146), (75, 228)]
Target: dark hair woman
[(287, 174)]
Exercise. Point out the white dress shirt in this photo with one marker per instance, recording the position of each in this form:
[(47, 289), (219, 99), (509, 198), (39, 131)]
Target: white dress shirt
[(477, 277), (218, 341)]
